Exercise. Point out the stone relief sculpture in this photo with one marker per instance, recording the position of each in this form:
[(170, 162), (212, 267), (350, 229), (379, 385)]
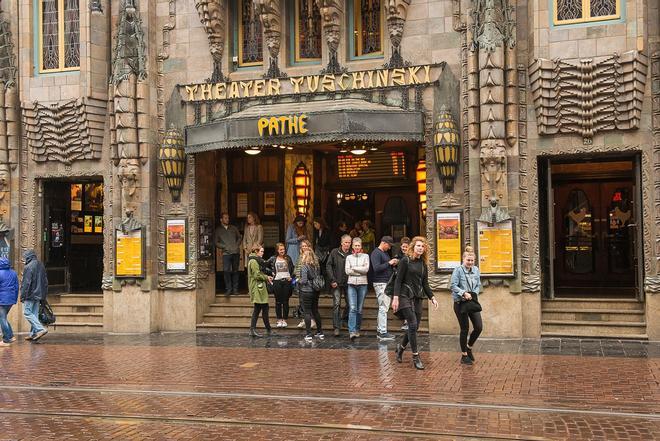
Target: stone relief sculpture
[(8, 113), (212, 15), (129, 93), (492, 91), (270, 15), (332, 14), (590, 95), (397, 10)]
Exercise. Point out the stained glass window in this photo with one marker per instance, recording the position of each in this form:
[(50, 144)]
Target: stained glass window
[(250, 36), (581, 11), (60, 35), (368, 32), (308, 30)]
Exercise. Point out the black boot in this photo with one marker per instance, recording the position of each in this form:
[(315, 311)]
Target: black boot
[(399, 353), (417, 362), (254, 333)]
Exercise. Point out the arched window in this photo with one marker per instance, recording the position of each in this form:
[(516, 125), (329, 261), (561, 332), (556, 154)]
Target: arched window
[(307, 31), (366, 27), (59, 35), (581, 11), (250, 37)]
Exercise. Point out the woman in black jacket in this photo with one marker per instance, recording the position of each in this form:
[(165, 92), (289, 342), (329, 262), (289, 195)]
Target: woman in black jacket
[(410, 289), (281, 267)]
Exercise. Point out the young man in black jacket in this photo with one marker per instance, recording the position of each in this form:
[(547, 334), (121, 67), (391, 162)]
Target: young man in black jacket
[(336, 272), (383, 268)]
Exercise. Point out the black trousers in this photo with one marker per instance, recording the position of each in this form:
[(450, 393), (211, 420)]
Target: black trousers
[(413, 314), (263, 308), (282, 290), (464, 323), (310, 302)]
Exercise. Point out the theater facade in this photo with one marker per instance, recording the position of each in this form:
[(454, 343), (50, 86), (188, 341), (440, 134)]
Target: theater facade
[(529, 130)]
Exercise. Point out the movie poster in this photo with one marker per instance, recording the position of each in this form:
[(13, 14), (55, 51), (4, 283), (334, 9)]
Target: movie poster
[(176, 260), (76, 197), (448, 227), (128, 254)]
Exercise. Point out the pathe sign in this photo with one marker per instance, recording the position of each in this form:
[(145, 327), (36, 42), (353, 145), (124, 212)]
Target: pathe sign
[(282, 125)]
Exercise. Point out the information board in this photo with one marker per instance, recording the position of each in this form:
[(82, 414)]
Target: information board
[(205, 237), (448, 226), (372, 165), (176, 256), (495, 248), (129, 256)]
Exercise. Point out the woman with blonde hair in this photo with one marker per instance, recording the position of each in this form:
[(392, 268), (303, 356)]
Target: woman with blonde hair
[(310, 270), (252, 235), (465, 288), (410, 289)]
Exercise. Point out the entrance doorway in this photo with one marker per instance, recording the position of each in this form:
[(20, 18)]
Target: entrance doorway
[(594, 229), (73, 235)]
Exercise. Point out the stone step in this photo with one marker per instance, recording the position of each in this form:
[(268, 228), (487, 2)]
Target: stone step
[(292, 329), (96, 299), (590, 315), (79, 317), (247, 308), (60, 308), (63, 327), (581, 303), (592, 329), (611, 336)]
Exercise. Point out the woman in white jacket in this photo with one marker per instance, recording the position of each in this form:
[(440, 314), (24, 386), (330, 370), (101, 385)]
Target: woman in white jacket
[(357, 267)]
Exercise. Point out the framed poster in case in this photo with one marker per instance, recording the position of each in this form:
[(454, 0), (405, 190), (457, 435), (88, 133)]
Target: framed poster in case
[(448, 240), (176, 245)]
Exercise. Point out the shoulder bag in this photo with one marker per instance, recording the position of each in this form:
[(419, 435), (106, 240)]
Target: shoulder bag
[(472, 305)]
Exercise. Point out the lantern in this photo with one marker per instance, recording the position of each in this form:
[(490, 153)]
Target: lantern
[(446, 143), (172, 157), (420, 175), (301, 189)]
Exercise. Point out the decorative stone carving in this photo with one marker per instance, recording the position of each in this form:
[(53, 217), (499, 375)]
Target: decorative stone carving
[(96, 7), (7, 57), (588, 96), (129, 179), (331, 14), (270, 15), (66, 132), (493, 175), (397, 10), (212, 15), (9, 129), (655, 127), (129, 55)]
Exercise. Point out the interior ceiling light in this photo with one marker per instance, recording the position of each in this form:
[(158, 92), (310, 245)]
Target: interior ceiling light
[(359, 150), (289, 148), (253, 151)]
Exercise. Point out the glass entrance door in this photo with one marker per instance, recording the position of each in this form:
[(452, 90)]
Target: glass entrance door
[(594, 238)]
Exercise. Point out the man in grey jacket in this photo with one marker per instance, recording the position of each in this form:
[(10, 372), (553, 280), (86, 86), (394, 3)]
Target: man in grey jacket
[(228, 240), (34, 289), (338, 279)]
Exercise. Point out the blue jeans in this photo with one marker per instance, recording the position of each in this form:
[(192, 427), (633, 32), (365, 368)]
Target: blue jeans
[(7, 332), (356, 295), (31, 313), (230, 271)]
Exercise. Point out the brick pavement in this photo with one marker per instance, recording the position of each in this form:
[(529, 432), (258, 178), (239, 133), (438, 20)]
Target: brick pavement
[(124, 391)]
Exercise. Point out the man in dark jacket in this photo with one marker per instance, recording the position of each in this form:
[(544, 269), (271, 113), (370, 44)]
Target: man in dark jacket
[(34, 289), (383, 268), (335, 268)]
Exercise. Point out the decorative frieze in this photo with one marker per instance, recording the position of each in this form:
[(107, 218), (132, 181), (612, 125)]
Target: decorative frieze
[(332, 15), (589, 95), (212, 15), (397, 10)]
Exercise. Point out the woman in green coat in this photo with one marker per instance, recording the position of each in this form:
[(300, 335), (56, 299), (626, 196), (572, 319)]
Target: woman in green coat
[(258, 292)]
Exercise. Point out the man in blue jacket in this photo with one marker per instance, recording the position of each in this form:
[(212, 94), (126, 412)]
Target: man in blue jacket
[(8, 298), (382, 265), (34, 289)]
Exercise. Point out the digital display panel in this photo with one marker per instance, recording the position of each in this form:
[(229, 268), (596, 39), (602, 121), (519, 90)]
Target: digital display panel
[(372, 165)]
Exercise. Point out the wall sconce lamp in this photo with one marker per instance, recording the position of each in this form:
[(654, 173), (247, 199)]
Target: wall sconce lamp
[(446, 144), (172, 158), (301, 189), (420, 175)]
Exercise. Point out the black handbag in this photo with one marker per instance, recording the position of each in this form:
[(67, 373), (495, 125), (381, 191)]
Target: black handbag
[(46, 314), (470, 306)]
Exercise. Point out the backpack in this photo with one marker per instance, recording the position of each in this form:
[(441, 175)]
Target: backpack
[(46, 314)]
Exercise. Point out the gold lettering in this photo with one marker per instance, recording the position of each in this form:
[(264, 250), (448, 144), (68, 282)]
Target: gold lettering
[(312, 82), (259, 86), (206, 91), (412, 75), (340, 82), (274, 87), (262, 124), (219, 91), (370, 77), (427, 74), (273, 126), (296, 82), (302, 122), (328, 83), (283, 120), (233, 90), (246, 85), (358, 80), (398, 77), (382, 78), (191, 92), (293, 125)]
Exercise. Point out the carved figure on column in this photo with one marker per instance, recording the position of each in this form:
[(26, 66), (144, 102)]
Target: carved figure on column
[(212, 15), (129, 179), (8, 113), (270, 16), (492, 89), (332, 13), (397, 10)]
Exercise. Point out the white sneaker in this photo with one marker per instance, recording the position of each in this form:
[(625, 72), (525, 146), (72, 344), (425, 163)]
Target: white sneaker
[(308, 338), (301, 324), (284, 324), (279, 324)]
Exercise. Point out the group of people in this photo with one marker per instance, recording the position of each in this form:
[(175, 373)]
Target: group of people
[(307, 268), (33, 290)]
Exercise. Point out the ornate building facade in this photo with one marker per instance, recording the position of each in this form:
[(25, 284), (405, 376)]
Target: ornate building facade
[(128, 126)]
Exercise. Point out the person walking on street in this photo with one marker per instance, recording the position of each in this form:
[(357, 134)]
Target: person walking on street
[(404, 244), (282, 267), (357, 267), (34, 289), (228, 240), (252, 235), (8, 298), (295, 234), (466, 286), (383, 267), (410, 289), (309, 270), (258, 292), (335, 269)]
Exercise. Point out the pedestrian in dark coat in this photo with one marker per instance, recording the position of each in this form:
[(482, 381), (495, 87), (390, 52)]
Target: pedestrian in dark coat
[(34, 289), (8, 298)]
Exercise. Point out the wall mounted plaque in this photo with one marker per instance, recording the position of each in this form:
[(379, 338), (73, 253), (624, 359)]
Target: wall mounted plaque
[(129, 253), (495, 255)]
